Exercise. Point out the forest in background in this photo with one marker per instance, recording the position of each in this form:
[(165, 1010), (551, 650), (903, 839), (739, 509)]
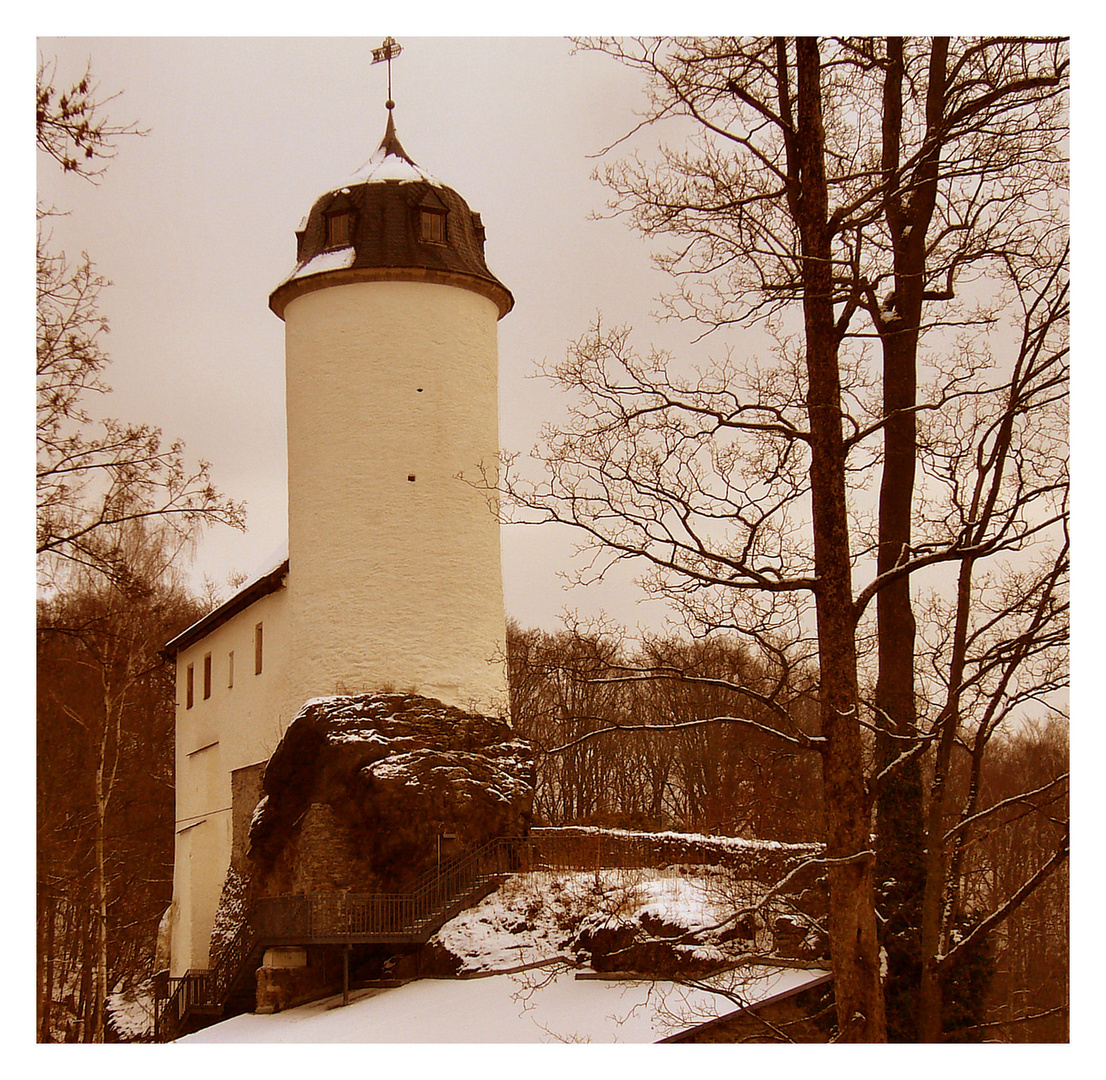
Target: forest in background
[(117, 508), (658, 754), (679, 775)]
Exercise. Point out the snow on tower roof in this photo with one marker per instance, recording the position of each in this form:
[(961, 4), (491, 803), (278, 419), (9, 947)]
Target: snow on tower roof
[(340, 259), (391, 221), (390, 162)]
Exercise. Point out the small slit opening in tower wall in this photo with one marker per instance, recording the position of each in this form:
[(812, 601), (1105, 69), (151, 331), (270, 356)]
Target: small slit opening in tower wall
[(411, 478)]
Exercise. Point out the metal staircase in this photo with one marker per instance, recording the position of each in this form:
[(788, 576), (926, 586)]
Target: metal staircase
[(197, 999)]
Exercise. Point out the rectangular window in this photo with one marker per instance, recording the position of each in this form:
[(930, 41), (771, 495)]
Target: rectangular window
[(230, 669), (257, 648), (188, 687), (433, 226), (207, 676), (339, 230)]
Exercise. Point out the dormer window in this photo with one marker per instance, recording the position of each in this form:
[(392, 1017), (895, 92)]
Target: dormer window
[(432, 227), (339, 229)]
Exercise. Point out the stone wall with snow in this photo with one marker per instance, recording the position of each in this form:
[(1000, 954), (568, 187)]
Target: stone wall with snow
[(582, 846)]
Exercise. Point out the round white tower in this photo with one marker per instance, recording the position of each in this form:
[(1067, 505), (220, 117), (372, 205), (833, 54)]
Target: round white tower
[(391, 366)]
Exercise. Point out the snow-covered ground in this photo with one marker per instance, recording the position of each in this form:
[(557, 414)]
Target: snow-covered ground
[(132, 1011), (533, 1006), (534, 917), (531, 920)]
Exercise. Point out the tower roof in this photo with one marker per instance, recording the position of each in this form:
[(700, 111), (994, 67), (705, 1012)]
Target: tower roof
[(392, 220)]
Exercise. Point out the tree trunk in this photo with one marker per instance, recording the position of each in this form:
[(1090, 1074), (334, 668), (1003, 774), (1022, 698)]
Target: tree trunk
[(99, 988), (901, 863), (852, 924), (86, 997), (900, 866), (46, 985)]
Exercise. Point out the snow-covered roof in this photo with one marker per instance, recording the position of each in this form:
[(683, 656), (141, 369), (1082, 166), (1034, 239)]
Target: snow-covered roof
[(390, 162), (338, 259), (534, 1006), (382, 205), (386, 165)]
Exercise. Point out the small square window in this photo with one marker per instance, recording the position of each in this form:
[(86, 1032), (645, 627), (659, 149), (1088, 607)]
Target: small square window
[(433, 226), (339, 230)]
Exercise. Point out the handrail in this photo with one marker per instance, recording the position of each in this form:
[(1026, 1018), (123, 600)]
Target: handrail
[(211, 987), (188, 990), (337, 917)]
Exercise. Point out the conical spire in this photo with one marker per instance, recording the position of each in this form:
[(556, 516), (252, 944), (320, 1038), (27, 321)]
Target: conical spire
[(391, 162), (390, 143)]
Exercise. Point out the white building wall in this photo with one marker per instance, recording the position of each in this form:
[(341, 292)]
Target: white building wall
[(236, 726), (395, 576)]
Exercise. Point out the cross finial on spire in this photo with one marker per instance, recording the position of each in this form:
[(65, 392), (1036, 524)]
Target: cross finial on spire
[(388, 48)]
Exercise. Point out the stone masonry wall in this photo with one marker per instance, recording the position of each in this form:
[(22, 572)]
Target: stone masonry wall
[(585, 847)]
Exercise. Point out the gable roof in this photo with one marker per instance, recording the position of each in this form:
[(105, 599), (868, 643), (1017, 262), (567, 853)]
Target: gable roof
[(250, 594)]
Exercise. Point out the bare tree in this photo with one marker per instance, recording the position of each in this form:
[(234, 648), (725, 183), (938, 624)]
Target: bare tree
[(106, 702), (674, 760), (114, 508), (836, 193), (70, 124), (90, 481), (1023, 781), (91, 476), (1003, 638)]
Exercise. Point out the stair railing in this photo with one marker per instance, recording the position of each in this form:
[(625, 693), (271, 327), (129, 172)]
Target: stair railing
[(334, 917)]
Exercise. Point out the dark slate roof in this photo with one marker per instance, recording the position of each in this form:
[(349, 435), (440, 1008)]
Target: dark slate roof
[(386, 197), (250, 594)]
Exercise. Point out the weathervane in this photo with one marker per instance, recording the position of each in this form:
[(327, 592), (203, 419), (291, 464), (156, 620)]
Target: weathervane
[(388, 48)]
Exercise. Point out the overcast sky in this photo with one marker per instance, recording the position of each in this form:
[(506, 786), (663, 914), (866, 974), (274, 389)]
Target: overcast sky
[(193, 225)]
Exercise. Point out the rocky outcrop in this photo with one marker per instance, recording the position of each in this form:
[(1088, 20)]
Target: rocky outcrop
[(646, 943), (363, 792)]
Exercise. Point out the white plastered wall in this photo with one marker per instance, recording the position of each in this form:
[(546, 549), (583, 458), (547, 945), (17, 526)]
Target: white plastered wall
[(395, 582), (236, 726)]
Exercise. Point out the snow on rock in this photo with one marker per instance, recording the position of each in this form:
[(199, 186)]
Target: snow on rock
[(361, 789), (529, 919), (680, 920), (259, 811)]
